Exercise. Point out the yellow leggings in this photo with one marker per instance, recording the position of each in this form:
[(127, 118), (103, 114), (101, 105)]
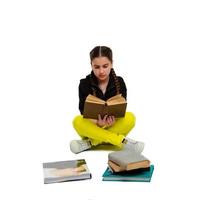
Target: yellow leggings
[(97, 135)]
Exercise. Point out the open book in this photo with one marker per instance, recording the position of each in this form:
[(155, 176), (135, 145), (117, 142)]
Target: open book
[(115, 106)]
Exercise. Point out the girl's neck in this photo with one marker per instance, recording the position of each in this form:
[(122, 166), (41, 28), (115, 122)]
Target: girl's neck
[(103, 85), (104, 82)]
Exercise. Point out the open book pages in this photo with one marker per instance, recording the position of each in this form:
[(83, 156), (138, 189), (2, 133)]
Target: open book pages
[(117, 99), (92, 99)]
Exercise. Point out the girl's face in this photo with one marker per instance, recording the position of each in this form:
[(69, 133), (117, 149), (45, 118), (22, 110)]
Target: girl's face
[(101, 67)]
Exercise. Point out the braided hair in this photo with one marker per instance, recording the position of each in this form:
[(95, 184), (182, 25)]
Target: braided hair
[(103, 51)]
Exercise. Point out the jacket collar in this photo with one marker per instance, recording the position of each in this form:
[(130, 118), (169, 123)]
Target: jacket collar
[(111, 83)]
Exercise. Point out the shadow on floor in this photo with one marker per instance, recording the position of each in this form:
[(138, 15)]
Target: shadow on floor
[(106, 147)]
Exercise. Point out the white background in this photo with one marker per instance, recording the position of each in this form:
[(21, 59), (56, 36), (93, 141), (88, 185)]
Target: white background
[(44, 51)]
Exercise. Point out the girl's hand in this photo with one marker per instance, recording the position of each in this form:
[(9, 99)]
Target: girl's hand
[(110, 120), (107, 121), (101, 122)]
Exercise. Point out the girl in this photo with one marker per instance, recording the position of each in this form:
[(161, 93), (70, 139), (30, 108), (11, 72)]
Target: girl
[(103, 83)]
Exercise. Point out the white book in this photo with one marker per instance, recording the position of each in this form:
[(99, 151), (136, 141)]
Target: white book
[(62, 171)]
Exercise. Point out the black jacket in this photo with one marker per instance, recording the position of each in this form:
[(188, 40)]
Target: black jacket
[(85, 88)]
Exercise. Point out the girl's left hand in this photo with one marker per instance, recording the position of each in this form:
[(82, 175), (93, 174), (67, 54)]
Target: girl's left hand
[(110, 120)]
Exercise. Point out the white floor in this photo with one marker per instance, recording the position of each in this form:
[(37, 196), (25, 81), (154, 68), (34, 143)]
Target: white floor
[(175, 158)]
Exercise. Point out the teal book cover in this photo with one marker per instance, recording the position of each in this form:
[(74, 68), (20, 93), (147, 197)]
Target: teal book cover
[(137, 176)]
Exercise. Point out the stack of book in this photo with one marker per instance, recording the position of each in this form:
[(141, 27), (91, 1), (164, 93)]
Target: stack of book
[(126, 165)]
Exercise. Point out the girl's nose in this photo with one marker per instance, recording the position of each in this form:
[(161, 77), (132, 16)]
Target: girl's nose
[(101, 70)]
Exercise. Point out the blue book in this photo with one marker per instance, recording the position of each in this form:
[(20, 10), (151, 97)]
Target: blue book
[(135, 175)]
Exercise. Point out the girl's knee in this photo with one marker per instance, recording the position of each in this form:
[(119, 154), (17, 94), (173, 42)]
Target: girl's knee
[(130, 119), (77, 120)]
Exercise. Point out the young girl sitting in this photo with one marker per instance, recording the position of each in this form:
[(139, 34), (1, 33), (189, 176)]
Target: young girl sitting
[(103, 83)]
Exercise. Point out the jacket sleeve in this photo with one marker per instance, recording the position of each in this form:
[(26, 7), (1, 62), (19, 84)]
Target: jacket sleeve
[(123, 89), (83, 93)]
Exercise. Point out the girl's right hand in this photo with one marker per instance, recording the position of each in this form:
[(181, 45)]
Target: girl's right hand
[(102, 122), (107, 121)]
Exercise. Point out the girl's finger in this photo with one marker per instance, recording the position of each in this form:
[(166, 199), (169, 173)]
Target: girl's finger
[(104, 118)]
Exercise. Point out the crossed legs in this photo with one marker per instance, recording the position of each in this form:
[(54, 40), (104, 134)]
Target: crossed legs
[(97, 135)]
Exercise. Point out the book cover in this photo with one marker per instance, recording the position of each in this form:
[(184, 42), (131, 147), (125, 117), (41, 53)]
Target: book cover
[(127, 160), (137, 175), (62, 171), (115, 106)]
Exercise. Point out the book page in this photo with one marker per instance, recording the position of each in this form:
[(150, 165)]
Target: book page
[(114, 97), (117, 99), (92, 99)]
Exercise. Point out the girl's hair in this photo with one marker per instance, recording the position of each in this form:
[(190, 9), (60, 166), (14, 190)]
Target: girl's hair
[(103, 51)]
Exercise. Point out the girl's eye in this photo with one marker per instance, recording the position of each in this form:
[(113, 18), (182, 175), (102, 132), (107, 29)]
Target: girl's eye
[(96, 67), (105, 66)]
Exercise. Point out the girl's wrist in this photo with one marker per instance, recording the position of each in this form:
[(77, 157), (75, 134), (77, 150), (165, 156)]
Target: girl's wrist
[(102, 126)]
